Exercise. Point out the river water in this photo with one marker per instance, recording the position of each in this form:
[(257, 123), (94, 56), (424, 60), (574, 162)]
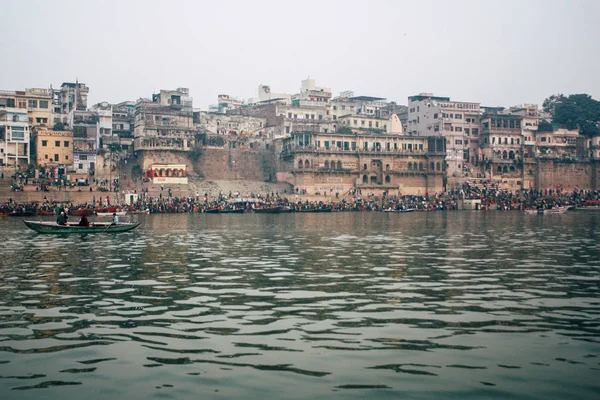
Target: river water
[(299, 306)]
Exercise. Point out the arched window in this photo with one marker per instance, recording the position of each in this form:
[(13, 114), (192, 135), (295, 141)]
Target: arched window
[(500, 168), (409, 166), (512, 168), (511, 155), (432, 166), (505, 169), (373, 179), (420, 166), (387, 179), (437, 166), (300, 164), (332, 164), (364, 166), (339, 165), (306, 164), (505, 154), (365, 179), (530, 172), (326, 164), (387, 167)]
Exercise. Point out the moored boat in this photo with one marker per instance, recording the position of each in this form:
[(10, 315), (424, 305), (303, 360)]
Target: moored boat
[(545, 211), (81, 211), (21, 214), (108, 214), (267, 210), (98, 227)]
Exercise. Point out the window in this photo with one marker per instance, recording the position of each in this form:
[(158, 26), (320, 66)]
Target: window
[(46, 156), (334, 108), (458, 116), (17, 133), (43, 103), (66, 144), (83, 158), (32, 103), (458, 129), (44, 143), (458, 142), (475, 131), (289, 115), (467, 130), (56, 157), (343, 108), (57, 143), (543, 139), (435, 116), (80, 166), (327, 144), (66, 157)]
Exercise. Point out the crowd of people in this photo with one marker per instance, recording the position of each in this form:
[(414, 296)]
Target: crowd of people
[(490, 197)]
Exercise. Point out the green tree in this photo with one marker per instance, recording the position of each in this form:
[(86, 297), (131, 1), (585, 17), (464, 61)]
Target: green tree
[(344, 129), (545, 126), (59, 126), (577, 111)]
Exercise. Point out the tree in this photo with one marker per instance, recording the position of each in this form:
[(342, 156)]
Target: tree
[(59, 126), (577, 111), (549, 105), (344, 129), (545, 126)]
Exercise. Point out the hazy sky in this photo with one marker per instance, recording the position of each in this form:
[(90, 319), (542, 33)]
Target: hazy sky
[(497, 52)]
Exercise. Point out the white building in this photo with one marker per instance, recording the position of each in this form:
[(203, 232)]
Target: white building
[(457, 121), (14, 137)]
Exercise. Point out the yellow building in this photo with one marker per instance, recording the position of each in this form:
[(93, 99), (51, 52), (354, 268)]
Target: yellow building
[(39, 106), (53, 147)]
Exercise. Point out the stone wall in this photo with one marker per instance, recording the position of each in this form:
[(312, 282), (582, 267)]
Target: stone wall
[(567, 174)]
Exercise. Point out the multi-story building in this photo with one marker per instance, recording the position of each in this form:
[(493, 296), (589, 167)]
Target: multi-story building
[(104, 111), (229, 124), (72, 96), (86, 141), (501, 145), (53, 149), (122, 124), (14, 137), (225, 103), (39, 110), (337, 162), (165, 122), (265, 95), (457, 121)]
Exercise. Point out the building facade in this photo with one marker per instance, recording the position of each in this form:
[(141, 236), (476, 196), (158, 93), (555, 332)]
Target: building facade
[(457, 121), (165, 122), (53, 148), (334, 162)]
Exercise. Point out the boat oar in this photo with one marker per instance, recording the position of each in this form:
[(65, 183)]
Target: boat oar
[(109, 225)]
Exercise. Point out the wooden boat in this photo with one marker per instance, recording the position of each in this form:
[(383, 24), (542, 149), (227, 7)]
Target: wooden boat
[(233, 211), (82, 211), (590, 205), (546, 211), (316, 210), (267, 210), (47, 213), (98, 227), (22, 214), (109, 214), (212, 211)]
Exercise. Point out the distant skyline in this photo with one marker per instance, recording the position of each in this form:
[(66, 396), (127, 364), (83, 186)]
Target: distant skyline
[(498, 53)]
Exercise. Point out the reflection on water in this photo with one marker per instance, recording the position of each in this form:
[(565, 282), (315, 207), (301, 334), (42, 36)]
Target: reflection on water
[(348, 305)]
